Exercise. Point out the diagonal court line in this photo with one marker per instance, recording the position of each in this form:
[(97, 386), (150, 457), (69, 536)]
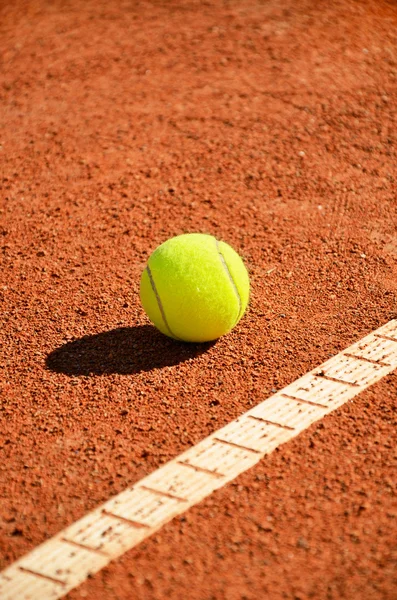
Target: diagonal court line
[(65, 561)]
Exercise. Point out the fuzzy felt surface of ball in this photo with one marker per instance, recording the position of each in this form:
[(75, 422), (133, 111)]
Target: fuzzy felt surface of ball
[(194, 288)]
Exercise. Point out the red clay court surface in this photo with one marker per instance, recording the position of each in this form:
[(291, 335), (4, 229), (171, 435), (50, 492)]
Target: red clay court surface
[(272, 126)]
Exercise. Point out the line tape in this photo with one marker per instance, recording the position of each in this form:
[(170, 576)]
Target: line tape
[(65, 561)]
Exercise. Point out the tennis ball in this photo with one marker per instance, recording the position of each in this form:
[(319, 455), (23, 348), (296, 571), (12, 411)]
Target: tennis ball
[(194, 288)]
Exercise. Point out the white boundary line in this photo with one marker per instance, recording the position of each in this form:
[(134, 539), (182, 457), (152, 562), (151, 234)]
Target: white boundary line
[(65, 561)]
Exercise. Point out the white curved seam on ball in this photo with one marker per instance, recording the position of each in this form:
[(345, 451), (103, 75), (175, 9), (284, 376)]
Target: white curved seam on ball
[(160, 304), (228, 273)]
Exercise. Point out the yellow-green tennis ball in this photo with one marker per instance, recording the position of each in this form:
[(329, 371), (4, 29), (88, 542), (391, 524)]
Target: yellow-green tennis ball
[(194, 288)]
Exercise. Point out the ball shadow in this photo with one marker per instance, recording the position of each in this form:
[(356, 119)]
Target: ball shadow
[(124, 351)]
